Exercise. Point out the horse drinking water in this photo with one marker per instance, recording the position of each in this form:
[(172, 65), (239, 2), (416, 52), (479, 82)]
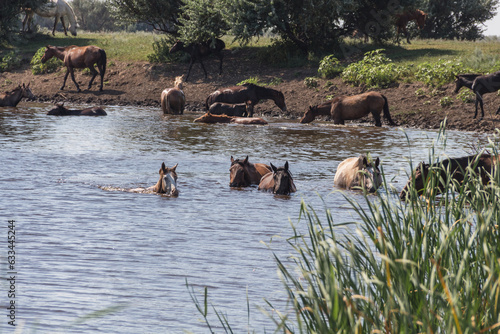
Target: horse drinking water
[(250, 94), (173, 99), (78, 57), (12, 98), (53, 8), (199, 51)]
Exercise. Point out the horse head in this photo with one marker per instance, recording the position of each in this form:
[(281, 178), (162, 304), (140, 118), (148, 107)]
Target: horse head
[(168, 181), (309, 115), (49, 53), (58, 110), (420, 17), (417, 179), (371, 179), (179, 81), (27, 92), (238, 175), (279, 99), (283, 181)]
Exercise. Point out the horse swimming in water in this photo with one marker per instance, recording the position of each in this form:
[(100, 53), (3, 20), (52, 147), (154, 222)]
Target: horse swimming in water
[(173, 99), (357, 172), (13, 97), (209, 118), (279, 181), (60, 110), (167, 184), (242, 173)]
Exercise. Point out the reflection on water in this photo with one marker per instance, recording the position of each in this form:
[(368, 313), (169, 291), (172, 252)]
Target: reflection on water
[(83, 249)]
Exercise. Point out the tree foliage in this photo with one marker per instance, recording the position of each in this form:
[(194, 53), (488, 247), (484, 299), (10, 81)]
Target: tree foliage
[(94, 15), (202, 20), (9, 15)]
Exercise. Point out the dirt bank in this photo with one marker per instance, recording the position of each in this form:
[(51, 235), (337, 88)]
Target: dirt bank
[(142, 83)]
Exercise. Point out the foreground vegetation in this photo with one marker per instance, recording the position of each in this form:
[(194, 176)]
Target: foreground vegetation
[(431, 264)]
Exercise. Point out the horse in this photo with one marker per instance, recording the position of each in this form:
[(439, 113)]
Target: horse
[(199, 51), (481, 163), (351, 107), (410, 15), (480, 84), (54, 8), (279, 181), (238, 109), (60, 110), (11, 98), (243, 173), (167, 184), (173, 99), (209, 118), (247, 93), (78, 57), (357, 172)]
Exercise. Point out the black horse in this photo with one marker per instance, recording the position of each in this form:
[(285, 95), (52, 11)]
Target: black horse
[(199, 51), (480, 84)]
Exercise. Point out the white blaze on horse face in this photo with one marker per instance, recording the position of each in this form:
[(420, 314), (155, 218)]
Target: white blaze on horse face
[(372, 179), (170, 185)]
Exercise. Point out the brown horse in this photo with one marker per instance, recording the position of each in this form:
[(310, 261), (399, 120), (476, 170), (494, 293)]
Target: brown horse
[(209, 118), (60, 110), (279, 181), (238, 109), (482, 164), (351, 107), (199, 51), (173, 99), (243, 173), (11, 98), (247, 93), (167, 184), (358, 173), (410, 15), (78, 57)]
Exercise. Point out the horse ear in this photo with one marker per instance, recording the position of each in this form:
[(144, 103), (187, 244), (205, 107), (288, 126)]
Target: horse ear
[(232, 159), (163, 165), (362, 162), (173, 168), (286, 165), (245, 161), (273, 167), (377, 162)]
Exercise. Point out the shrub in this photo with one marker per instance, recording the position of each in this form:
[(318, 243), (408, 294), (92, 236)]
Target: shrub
[(446, 101), (52, 65), (10, 61), (329, 67), (161, 52), (466, 96), (311, 82), (439, 73), (252, 80)]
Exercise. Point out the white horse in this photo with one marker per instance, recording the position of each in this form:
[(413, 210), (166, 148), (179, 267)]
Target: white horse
[(54, 8)]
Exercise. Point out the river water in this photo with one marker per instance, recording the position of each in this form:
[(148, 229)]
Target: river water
[(110, 261)]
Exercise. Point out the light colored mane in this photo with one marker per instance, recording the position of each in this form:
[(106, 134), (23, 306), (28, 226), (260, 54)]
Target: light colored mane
[(179, 81)]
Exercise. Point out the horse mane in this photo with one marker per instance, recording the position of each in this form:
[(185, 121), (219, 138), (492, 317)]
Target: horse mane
[(72, 18)]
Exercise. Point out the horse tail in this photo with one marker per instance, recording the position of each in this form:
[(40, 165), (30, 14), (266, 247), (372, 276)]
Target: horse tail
[(387, 115), (102, 61)]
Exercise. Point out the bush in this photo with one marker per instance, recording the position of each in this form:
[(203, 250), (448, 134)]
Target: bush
[(311, 82), (52, 65), (10, 61), (446, 101), (161, 53), (466, 96), (439, 73), (329, 67)]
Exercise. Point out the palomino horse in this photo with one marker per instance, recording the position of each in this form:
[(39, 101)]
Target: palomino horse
[(11, 98), (209, 118), (358, 173), (238, 109), (420, 179), (78, 57), (411, 15), (53, 8), (60, 110), (199, 51), (279, 181), (344, 108), (173, 99), (247, 93), (243, 173), (480, 84), (167, 184)]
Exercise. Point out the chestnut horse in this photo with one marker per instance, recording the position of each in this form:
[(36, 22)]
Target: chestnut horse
[(243, 173), (173, 99), (199, 51), (279, 181), (411, 15), (53, 8), (482, 164), (238, 109), (167, 184), (480, 84), (351, 107), (60, 110), (247, 93), (358, 173), (11, 98), (209, 118), (78, 57)]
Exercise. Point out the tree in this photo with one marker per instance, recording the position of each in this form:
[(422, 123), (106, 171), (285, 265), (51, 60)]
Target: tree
[(93, 15), (202, 20), (459, 19), (9, 15)]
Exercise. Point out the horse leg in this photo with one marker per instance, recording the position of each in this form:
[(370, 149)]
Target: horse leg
[(73, 78), (203, 67), (481, 105), (336, 113), (65, 77), (55, 25), (478, 98), (94, 74), (376, 116), (407, 36), (189, 70), (64, 26)]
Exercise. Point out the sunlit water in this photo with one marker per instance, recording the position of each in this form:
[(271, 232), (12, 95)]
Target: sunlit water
[(81, 250)]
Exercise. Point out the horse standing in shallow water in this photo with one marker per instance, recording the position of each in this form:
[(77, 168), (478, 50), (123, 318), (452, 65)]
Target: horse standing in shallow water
[(243, 173), (279, 181), (247, 93), (54, 8), (60, 110), (411, 15), (480, 84), (12, 98), (78, 57), (358, 173), (173, 99), (351, 107), (199, 51)]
